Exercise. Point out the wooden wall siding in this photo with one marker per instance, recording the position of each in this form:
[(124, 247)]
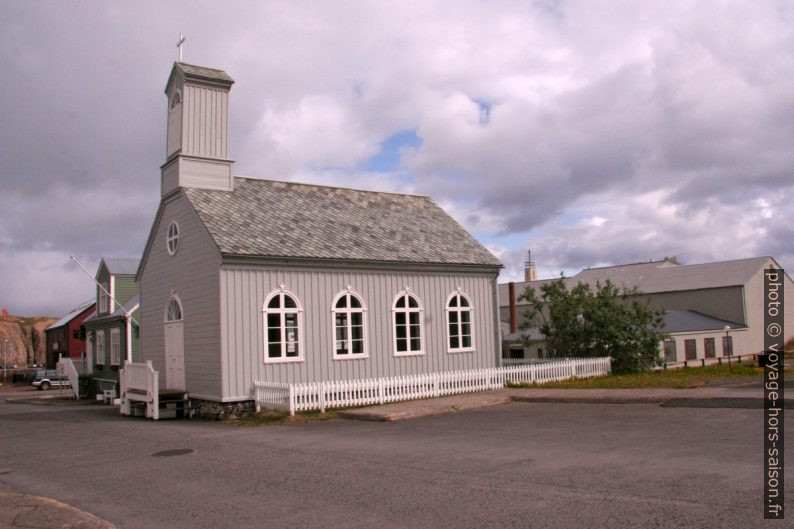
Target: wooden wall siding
[(205, 174), (243, 292), (169, 177), (192, 274), (204, 131), (125, 287), (173, 139)]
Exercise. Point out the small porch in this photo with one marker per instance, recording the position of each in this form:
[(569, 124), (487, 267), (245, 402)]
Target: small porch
[(141, 395)]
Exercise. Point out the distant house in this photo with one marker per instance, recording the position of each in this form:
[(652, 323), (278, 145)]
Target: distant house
[(246, 280), (67, 335), (700, 300), (113, 336)]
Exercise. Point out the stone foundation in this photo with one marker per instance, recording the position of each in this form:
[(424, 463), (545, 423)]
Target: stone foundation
[(209, 409)]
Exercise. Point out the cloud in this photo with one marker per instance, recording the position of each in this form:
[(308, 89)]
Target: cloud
[(594, 133)]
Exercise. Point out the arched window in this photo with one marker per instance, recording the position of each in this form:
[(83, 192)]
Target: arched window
[(459, 323), (407, 324), (172, 239), (349, 317), (282, 322), (173, 311)]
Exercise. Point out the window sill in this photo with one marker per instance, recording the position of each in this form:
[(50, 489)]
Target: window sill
[(352, 357), (458, 351), (409, 353), (281, 360)]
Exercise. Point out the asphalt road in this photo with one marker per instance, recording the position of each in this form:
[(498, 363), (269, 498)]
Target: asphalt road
[(514, 465)]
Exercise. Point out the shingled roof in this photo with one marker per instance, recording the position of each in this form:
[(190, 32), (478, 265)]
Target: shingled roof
[(285, 219), (202, 72)]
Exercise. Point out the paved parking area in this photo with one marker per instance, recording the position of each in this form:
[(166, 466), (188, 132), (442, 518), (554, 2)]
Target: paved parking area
[(511, 465)]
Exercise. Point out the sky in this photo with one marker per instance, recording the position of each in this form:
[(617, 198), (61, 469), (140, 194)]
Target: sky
[(592, 133)]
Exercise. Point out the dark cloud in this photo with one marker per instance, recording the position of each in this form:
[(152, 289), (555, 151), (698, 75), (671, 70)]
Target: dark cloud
[(615, 131)]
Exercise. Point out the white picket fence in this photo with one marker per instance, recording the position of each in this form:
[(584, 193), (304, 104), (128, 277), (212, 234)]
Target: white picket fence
[(345, 393), (65, 368), (139, 383)]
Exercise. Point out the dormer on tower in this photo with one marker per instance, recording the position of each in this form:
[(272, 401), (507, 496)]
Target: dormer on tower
[(198, 129)]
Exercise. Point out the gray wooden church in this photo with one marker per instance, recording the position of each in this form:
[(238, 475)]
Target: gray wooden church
[(246, 280)]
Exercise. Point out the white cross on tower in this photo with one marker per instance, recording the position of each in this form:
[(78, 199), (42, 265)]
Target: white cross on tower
[(179, 45)]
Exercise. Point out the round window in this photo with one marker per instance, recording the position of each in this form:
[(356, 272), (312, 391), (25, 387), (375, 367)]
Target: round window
[(172, 239)]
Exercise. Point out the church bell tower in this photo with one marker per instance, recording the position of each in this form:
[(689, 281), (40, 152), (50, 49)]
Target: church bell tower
[(198, 129)]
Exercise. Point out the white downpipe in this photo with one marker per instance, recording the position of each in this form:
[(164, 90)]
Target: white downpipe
[(129, 337)]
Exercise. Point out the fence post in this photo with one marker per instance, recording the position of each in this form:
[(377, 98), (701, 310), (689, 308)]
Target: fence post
[(322, 397), (291, 396)]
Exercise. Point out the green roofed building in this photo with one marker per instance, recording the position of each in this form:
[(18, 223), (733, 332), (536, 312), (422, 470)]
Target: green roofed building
[(113, 336)]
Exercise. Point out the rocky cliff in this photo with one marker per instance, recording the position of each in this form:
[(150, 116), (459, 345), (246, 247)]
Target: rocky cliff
[(26, 342)]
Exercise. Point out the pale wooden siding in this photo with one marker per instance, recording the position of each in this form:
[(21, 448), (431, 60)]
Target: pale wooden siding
[(173, 139), (243, 291), (169, 178), (205, 125), (205, 174), (192, 274)]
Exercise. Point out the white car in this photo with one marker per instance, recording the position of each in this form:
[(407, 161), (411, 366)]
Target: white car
[(47, 378)]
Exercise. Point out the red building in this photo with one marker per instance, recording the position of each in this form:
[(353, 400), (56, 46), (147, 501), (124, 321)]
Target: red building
[(67, 336)]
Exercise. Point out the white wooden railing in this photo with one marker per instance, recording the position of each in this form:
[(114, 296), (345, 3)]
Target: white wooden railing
[(139, 383), (81, 366), (65, 368), (344, 393)]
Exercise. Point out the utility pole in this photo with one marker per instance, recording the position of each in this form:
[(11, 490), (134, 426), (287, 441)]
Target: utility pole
[(5, 361)]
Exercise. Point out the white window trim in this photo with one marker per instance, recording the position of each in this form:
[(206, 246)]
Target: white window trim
[(104, 299), (115, 347), (459, 310), (100, 348), (349, 311), (112, 289), (420, 310), (282, 311), (167, 305), (169, 238)]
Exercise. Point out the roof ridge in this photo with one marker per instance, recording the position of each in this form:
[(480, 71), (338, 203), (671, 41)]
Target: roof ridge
[(294, 183), (718, 262), (622, 265)]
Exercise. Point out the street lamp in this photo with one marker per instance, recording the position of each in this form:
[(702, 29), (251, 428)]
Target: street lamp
[(728, 344)]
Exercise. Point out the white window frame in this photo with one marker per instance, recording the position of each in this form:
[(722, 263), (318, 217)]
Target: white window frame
[(115, 347), (104, 298), (349, 311), (460, 310), (166, 314), (172, 238), (282, 311), (100, 348), (419, 309)]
